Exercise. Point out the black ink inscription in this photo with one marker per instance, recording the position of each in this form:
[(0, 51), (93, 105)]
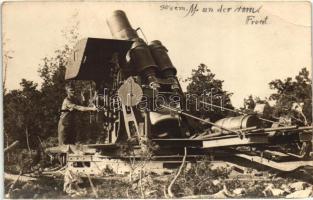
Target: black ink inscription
[(253, 20), (253, 15), (192, 10)]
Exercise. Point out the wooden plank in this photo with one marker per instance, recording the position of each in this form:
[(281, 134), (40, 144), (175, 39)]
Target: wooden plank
[(235, 141), (102, 146), (282, 166)]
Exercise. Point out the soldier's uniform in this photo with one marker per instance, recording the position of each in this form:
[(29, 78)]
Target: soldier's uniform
[(66, 127)]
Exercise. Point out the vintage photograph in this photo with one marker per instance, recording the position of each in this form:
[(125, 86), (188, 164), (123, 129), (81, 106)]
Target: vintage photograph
[(166, 99)]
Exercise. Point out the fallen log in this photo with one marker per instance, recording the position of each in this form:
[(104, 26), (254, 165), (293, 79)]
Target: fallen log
[(22, 178)]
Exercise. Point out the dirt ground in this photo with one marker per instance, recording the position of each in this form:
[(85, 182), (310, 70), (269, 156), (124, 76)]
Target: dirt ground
[(202, 180)]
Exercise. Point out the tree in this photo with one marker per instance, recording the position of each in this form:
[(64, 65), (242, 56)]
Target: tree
[(290, 92), (22, 114), (7, 55), (37, 111), (203, 86)]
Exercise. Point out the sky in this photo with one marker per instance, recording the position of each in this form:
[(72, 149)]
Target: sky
[(246, 56)]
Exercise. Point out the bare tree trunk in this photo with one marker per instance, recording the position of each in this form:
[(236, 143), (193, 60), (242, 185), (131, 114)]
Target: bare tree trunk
[(27, 141), (5, 72)]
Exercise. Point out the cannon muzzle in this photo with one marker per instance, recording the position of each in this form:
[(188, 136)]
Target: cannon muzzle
[(120, 27)]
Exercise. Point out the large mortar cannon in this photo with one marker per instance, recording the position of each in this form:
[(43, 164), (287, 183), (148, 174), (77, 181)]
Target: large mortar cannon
[(128, 67), (132, 69)]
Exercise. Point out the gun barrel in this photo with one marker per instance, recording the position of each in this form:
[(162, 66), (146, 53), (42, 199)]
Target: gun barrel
[(120, 27), (140, 56)]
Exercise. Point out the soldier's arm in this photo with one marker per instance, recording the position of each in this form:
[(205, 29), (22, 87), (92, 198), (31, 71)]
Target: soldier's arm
[(84, 108), (71, 106)]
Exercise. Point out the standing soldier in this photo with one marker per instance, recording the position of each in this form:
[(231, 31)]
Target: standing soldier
[(66, 127)]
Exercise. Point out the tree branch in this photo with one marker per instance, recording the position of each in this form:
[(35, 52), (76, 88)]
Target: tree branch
[(169, 189)]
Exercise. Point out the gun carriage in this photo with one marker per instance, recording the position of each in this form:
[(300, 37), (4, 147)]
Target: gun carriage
[(147, 113)]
